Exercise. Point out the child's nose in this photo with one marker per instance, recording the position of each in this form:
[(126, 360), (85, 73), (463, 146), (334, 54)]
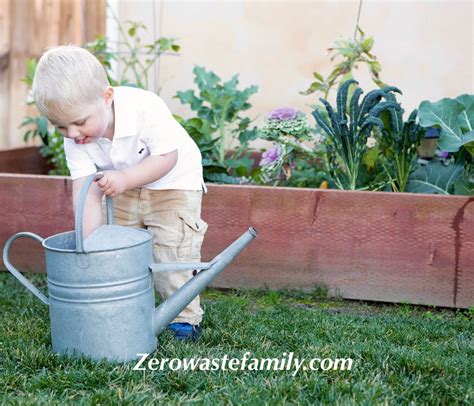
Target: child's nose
[(73, 132)]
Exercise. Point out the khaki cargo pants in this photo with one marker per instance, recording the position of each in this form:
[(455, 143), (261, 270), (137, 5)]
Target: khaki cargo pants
[(174, 218)]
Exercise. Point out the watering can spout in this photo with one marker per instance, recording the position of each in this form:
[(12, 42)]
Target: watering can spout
[(171, 307)]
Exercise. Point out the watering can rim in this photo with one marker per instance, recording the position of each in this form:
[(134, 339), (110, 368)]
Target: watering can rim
[(74, 251)]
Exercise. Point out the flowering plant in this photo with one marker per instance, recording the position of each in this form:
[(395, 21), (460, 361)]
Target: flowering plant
[(288, 129), (286, 122)]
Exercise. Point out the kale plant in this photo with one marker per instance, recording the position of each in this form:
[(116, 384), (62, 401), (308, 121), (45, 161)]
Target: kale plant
[(399, 142), (347, 130)]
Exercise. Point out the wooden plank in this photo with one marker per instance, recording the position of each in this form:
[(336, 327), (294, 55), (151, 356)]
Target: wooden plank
[(71, 23), (78, 35), (52, 14), (34, 26), (373, 246), (64, 22), (22, 35), (36, 203), (361, 245), (95, 12), (25, 160), (4, 71)]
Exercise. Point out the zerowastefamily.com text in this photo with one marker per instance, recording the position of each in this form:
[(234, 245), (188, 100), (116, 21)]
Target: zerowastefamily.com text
[(287, 362)]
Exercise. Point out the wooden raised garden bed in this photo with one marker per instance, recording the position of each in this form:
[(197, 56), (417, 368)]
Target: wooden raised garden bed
[(389, 247)]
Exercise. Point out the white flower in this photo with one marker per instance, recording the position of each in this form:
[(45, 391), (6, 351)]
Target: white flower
[(371, 141)]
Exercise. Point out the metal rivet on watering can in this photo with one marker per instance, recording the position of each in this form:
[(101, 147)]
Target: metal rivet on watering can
[(83, 261), (101, 295)]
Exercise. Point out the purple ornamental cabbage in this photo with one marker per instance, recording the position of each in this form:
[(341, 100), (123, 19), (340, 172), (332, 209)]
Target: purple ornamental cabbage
[(271, 155), (283, 113)]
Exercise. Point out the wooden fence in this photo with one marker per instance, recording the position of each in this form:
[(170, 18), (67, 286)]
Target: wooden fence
[(27, 27)]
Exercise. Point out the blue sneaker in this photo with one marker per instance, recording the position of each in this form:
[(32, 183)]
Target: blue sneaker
[(185, 331)]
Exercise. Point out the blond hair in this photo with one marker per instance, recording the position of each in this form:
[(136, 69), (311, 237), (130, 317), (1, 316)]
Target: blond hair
[(67, 79)]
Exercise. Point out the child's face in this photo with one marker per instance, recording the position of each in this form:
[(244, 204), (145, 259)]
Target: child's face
[(92, 123)]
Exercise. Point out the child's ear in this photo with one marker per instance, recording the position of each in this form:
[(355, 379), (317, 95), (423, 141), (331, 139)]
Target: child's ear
[(109, 95)]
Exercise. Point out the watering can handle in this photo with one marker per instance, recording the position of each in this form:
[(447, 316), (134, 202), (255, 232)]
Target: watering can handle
[(25, 282), (80, 210)]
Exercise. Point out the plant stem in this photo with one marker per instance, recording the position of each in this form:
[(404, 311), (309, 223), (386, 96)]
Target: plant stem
[(358, 17), (221, 140)]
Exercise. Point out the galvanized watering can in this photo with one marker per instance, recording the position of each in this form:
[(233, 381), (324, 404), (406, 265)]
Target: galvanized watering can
[(101, 295)]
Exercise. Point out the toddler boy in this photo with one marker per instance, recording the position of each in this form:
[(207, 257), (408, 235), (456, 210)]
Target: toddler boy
[(152, 167)]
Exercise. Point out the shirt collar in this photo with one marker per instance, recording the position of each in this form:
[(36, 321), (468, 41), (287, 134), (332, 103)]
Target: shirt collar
[(125, 113)]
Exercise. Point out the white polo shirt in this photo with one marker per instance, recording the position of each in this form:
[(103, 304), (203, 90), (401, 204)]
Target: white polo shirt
[(144, 126)]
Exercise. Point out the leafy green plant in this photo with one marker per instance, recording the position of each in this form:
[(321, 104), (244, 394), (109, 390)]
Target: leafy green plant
[(455, 119), (220, 105), (435, 178), (289, 160), (213, 171), (347, 130), (353, 51), (38, 127), (309, 172), (399, 141), (139, 57)]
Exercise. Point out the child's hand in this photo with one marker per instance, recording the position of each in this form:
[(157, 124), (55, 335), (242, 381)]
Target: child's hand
[(112, 183)]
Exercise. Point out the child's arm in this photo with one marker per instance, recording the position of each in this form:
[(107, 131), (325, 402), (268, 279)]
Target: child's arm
[(149, 170), (93, 206)]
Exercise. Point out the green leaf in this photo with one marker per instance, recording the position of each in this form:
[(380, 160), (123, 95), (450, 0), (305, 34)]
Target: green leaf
[(27, 121), (188, 97), (464, 187), (367, 44), (434, 178), (222, 178), (205, 79), (313, 88), (248, 135), (370, 158), (467, 116), (42, 123), (207, 162), (375, 66), (451, 115), (470, 147), (30, 71), (348, 52), (318, 76), (341, 100), (323, 123), (239, 163)]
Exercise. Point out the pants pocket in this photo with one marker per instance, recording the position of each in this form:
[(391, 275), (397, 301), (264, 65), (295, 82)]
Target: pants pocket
[(194, 229)]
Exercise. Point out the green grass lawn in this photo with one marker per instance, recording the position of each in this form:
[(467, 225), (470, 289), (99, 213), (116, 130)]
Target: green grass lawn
[(401, 354)]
